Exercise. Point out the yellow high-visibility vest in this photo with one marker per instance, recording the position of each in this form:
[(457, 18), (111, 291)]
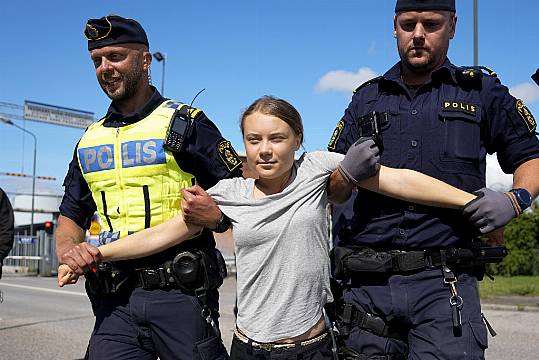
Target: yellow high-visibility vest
[(134, 181)]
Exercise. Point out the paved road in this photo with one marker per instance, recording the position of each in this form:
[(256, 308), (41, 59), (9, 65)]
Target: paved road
[(36, 317)]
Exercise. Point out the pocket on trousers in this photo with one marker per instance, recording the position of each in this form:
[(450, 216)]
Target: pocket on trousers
[(210, 349), (479, 340)]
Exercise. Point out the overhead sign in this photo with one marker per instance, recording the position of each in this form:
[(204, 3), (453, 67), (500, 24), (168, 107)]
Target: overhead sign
[(57, 115)]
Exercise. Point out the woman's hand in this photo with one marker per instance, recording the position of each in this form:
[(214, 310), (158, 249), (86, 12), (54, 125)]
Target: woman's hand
[(66, 275)]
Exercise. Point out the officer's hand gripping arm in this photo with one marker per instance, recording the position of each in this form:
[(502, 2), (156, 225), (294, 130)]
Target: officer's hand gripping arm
[(361, 161), (490, 210), (71, 248), (198, 208)]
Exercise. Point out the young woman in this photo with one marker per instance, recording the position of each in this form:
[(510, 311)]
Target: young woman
[(280, 231)]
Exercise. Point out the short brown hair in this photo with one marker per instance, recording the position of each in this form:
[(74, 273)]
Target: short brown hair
[(282, 109)]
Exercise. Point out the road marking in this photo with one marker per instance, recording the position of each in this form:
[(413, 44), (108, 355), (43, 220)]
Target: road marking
[(63, 292)]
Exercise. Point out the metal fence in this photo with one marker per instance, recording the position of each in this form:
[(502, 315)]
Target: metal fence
[(36, 255), (32, 254)]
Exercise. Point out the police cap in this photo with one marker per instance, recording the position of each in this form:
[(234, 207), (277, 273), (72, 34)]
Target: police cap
[(424, 5), (113, 29)]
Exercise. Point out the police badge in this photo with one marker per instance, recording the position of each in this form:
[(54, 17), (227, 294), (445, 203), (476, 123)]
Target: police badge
[(336, 135), (526, 115), (228, 155)]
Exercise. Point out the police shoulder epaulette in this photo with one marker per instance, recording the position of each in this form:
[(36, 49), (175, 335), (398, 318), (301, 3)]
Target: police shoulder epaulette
[(189, 112), (473, 73), (183, 109), (367, 83)]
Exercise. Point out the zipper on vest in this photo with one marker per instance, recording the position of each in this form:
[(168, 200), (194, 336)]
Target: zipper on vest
[(104, 200), (119, 176), (147, 210)]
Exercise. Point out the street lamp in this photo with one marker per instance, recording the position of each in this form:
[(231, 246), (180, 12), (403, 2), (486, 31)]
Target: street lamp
[(159, 56), (9, 122)]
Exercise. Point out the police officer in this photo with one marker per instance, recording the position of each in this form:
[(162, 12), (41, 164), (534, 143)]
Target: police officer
[(441, 120), (6, 227), (130, 167)]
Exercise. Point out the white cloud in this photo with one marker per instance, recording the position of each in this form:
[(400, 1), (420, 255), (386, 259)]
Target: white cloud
[(345, 81), (528, 92), (496, 178)]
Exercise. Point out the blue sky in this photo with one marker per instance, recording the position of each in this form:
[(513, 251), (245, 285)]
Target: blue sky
[(312, 53)]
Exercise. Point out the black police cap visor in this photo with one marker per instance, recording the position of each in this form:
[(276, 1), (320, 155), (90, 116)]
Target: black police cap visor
[(113, 29), (425, 5)]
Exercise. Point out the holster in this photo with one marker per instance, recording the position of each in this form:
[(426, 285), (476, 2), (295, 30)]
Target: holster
[(105, 279), (189, 271), (197, 269)]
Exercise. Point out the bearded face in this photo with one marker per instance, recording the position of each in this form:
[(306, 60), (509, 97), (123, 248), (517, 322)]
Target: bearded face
[(423, 38), (119, 70)]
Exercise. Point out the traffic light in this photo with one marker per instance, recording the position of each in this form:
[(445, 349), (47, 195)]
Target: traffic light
[(48, 226)]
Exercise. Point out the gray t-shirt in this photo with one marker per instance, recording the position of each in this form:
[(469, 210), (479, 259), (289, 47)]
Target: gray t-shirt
[(282, 245)]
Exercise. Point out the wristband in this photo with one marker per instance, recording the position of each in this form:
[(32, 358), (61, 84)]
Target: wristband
[(514, 203), (223, 224)]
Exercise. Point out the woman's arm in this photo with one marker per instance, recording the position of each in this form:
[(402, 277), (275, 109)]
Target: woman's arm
[(149, 241), (413, 186), (143, 243)]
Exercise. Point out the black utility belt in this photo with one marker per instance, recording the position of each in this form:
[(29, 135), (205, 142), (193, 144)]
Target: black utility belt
[(362, 259), (189, 271)]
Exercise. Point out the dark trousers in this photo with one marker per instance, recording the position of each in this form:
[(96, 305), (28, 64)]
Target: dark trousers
[(316, 351), (419, 305), (146, 324)]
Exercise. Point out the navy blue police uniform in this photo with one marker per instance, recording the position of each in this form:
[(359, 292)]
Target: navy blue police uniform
[(444, 128), (136, 321)]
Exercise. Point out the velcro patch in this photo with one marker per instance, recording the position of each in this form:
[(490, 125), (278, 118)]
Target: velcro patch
[(336, 135), (459, 106), (228, 155), (526, 115)]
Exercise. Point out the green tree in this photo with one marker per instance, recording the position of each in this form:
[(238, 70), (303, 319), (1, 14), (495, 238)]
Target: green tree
[(521, 236)]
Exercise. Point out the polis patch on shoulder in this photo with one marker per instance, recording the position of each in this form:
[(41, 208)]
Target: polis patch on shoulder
[(336, 135), (526, 115), (228, 155), (459, 106)]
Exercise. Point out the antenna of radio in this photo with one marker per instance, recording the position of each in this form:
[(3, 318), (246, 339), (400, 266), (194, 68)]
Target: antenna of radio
[(190, 110)]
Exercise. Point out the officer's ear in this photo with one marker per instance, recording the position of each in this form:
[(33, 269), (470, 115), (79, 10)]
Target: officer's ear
[(146, 60), (395, 26), (452, 25)]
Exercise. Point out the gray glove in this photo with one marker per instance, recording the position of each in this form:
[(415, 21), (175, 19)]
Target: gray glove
[(362, 161), (490, 210)]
